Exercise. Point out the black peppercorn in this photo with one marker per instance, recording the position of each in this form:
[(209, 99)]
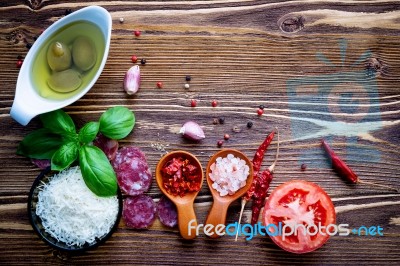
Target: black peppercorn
[(261, 107), (221, 120), (249, 124), (143, 61), (188, 78), (68, 11), (28, 45)]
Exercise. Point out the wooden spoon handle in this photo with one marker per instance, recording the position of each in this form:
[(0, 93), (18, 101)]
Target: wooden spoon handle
[(216, 217), (187, 221)]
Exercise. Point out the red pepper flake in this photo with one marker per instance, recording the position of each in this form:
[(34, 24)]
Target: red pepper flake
[(134, 58), (193, 103), (19, 63), (180, 176), (137, 33), (159, 85), (214, 103), (260, 112)]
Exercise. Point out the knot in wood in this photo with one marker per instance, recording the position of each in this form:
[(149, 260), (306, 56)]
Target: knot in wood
[(291, 24), (375, 65), (35, 4)]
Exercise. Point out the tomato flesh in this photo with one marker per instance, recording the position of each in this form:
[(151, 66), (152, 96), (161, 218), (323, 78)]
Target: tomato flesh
[(304, 205)]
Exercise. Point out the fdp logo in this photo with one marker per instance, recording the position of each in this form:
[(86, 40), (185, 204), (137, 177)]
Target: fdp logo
[(343, 104)]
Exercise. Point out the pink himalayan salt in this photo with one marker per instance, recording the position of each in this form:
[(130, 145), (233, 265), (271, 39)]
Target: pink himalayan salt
[(229, 174)]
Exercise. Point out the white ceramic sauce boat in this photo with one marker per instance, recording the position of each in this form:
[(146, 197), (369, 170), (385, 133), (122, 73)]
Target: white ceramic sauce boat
[(28, 103)]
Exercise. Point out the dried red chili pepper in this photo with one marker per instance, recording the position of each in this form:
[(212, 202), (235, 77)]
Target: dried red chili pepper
[(345, 171), (180, 177), (259, 188)]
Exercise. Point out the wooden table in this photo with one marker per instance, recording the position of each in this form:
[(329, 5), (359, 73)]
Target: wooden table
[(321, 69)]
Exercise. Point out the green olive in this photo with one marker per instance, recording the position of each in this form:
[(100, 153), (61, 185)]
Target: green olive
[(83, 53), (65, 81), (59, 56)]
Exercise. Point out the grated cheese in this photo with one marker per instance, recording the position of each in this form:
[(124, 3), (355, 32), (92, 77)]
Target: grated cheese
[(73, 214)]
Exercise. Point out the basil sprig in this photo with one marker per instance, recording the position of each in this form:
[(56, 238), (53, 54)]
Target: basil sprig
[(60, 142), (40, 144), (99, 177), (116, 122)]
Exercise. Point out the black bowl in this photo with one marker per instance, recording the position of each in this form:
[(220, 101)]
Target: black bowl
[(36, 222)]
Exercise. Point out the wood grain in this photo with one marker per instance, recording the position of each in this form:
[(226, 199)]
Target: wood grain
[(308, 62)]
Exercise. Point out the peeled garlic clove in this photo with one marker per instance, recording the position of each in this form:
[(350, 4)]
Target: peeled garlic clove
[(83, 53), (191, 130), (132, 80), (65, 81), (59, 56)]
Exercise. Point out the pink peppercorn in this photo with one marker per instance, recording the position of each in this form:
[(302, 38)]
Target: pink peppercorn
[(137, 33), (193, 103), (214, 103), (159, 85)]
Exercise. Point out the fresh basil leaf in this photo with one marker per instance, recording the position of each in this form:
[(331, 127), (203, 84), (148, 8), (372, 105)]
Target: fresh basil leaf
[(88, 132), (117, 122), (58, 122), (65, 156), (40, 144), (97, 171)]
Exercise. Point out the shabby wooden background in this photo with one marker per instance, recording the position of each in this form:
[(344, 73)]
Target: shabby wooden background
[(320, 68)]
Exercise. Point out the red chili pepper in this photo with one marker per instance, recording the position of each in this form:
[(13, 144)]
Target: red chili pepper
[(260, 185), (259, 156), (345, 171), (341, 167)]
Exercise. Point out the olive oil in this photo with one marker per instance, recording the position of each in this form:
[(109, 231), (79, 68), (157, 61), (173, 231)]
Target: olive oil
[(41, 70)]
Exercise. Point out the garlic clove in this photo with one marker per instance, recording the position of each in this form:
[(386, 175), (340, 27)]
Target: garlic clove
[(132, 80), (191, 130)]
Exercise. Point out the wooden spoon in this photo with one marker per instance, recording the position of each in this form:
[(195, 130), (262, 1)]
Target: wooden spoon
[(217, 214), (183, 204)]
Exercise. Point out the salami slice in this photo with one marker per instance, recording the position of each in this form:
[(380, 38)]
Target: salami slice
[(167, 213), (139, 212), (133, 174), (41, 163), (107, 145), (134, 177), (125, 154)]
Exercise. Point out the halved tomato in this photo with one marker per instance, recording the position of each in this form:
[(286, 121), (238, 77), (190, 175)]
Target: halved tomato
[(300, 216)]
